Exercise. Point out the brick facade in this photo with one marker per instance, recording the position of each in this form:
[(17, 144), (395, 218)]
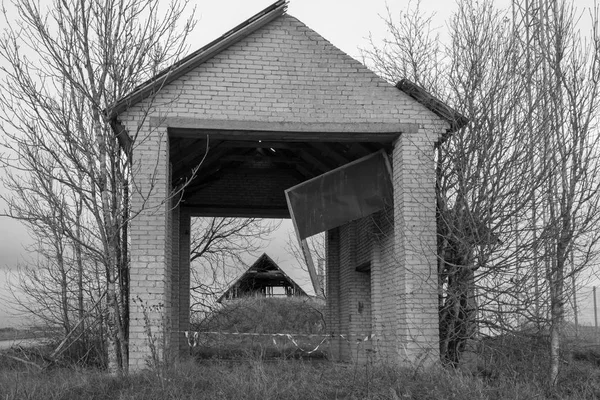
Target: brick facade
[(282, 72), (285, 72)]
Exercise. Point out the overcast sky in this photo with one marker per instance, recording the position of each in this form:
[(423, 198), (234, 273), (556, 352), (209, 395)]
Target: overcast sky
[(345, 23)]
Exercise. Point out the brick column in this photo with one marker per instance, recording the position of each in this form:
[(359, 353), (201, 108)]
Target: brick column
[(332, 248), (184, 278), (376, 296), (347, 285), (415, 248), (150, 234), (173, 289)]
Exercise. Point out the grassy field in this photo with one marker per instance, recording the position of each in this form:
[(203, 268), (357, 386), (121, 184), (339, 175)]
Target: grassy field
[(33, 332), (261, 365), (256, 379), (16, 334), (495, 375)]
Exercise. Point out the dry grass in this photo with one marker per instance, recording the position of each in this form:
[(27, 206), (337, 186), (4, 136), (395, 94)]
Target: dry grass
[(256, 367), (290, 379)]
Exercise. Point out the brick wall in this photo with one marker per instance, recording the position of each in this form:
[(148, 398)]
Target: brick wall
[(283, 72)]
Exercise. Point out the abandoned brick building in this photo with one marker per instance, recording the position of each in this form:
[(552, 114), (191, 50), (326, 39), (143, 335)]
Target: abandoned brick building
[(263, 108)]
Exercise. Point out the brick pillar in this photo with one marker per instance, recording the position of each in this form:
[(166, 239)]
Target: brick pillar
[(150, 234), (178, 314), (332, 248), (385, 288), (415, 248), (354, 287), (184, 278), (173, 289), (347, 287), (376, 296)]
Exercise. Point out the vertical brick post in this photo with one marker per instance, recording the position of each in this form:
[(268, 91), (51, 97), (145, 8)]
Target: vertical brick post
[(415, 247), (332, 246), (183, 288), (347, 286), (376, 296), (173, 289), (150, 248)]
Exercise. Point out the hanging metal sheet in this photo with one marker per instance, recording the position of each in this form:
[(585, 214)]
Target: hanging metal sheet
[(350, 192)]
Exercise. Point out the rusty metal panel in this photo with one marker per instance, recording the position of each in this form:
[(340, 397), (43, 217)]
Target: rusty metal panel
[(344, 194)]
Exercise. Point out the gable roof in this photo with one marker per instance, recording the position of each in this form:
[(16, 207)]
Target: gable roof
[(241, 31), (270, 270)]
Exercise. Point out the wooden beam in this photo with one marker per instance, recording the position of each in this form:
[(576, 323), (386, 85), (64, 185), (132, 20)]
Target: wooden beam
[(289, 157), (322, 166), (188, 157), (328, 151), (184, 150), (210, 163), (255, 144), (238, 157), (360, 150)]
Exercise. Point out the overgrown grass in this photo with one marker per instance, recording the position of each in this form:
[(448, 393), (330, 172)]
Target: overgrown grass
[(505, 367), (250, 379), (291, 379)]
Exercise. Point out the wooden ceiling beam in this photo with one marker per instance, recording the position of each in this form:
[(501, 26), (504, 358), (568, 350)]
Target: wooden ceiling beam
[(328, 151), (186, 152), (320, 165), (362, 150), (255, 144), (203, 160)]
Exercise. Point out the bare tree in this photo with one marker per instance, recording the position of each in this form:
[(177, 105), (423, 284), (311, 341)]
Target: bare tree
[(517, 187), (412, 50), (316, 246), (219, 250), (477, 193), (86, 55), (567, 75)]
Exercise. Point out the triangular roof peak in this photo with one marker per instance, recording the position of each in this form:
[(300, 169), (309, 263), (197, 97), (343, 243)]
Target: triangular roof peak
[(196, 58), (263, 264), (243, 30)]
